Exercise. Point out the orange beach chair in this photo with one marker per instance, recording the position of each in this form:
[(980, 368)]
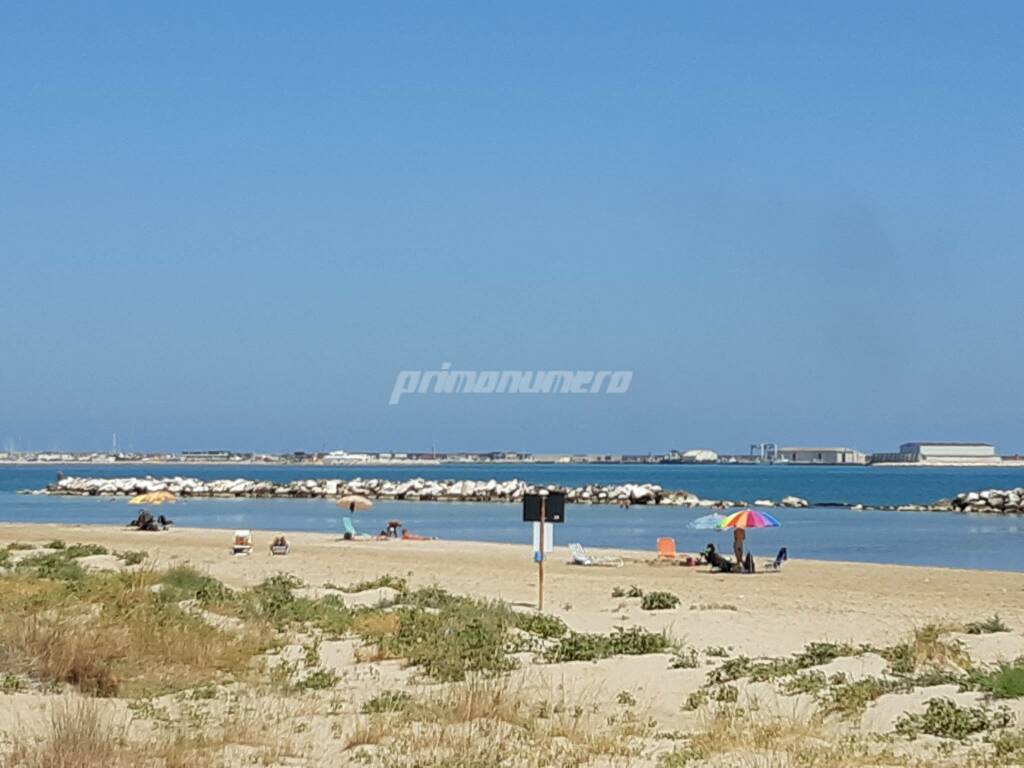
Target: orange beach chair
[(666, 548)]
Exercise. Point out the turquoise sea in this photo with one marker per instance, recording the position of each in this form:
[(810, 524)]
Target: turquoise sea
[(826, 533)]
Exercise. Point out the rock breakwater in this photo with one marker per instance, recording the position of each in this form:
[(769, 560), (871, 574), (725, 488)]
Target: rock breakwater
[(992, 501), (415, 489)]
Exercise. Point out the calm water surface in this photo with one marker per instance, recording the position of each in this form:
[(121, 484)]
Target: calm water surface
[(910, 538)]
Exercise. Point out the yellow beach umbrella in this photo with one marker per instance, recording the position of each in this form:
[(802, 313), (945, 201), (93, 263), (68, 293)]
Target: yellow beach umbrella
[(155, 498), (354, 502)]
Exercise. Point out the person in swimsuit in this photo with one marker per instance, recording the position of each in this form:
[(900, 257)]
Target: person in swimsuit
[(408, 535), (739, 535)]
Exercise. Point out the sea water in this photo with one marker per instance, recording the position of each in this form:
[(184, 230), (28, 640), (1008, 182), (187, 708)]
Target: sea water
[(819, 484), (908, 538)]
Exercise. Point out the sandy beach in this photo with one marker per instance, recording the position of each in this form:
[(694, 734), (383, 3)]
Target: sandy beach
[(777, 613), (719, 616)]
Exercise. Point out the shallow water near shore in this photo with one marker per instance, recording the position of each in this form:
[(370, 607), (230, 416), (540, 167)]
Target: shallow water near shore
[(907, 538)]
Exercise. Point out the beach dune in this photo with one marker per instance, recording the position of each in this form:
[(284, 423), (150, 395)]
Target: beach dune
[(762, 615)]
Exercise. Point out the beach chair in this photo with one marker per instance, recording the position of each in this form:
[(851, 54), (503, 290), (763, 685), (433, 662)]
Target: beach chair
[(580, 557), (280, 546), (243, 543), (776, 565), (666, 548)]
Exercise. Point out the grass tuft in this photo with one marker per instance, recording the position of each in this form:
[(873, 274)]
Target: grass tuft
[(685, 658), (56, 566), (540, 624), (713, 607), (318, 680), (849, 699), (85, 550), (498, 722), (11, 683), (388, 701), (733, 735), (635, 641), (111, 634), (132, 556), (947, 720), (986, 626), (631, 591), (461, 636), (813, 655), (78, 737), (387, 580), (1007, 682), (659, 601)]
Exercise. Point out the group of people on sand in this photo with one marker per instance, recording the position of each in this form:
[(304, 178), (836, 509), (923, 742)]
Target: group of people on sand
[(744, 562), (391, 532), (281, 545), (147, 522)]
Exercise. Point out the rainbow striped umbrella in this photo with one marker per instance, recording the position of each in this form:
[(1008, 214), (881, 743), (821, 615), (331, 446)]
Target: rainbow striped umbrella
[(749, 518)]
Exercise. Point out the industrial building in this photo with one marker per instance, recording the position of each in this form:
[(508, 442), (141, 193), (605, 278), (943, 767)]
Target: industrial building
[(821, 456), (955, 453)]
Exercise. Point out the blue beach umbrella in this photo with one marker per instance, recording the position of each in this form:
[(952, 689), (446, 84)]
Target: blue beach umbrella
[(708, 522)]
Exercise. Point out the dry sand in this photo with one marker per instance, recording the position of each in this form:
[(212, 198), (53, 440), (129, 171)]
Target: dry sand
[(775, 613), (757, 615)]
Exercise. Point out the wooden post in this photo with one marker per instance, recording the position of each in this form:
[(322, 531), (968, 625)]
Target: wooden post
[(540, 559)]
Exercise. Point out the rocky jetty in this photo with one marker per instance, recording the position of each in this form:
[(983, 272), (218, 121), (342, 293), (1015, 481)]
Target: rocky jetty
[(416, 489), (993, 501)]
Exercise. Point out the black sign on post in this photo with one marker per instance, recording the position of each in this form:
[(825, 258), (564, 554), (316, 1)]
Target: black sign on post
[(541, 509), (555, 512)]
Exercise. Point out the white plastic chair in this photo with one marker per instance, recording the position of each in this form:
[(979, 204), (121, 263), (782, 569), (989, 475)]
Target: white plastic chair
[(580, 557), (243, 543)]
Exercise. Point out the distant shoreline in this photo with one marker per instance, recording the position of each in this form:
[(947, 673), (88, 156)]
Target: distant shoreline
[(1005, 464)]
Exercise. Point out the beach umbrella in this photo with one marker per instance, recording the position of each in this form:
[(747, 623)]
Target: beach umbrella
[(155, 498), (354, 502), (749, 518), (708, 522)]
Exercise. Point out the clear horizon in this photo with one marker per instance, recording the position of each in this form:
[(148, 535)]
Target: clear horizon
[(234, 226)]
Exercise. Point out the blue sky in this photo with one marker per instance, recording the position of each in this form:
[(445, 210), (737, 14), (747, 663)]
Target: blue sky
[(233, 224)]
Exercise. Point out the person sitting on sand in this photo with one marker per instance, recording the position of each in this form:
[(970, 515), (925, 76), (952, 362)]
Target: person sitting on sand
[(145, 522), (715, 560), (725, 565), (280, 545)]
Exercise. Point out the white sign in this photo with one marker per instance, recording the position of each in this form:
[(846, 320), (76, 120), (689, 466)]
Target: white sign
[(549, 537)]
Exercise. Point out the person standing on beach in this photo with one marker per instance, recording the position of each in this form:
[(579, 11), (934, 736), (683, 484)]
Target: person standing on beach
[(739, 535)]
